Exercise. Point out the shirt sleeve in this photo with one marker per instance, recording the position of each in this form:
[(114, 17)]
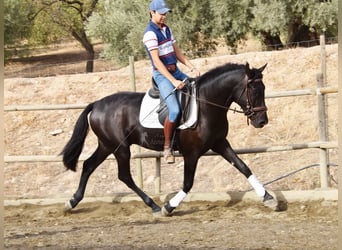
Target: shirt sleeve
[(150, 40)]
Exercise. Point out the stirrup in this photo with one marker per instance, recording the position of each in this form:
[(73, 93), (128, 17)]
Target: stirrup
[(168, 155)]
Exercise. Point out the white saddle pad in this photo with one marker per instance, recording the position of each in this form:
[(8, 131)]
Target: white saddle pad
[(148, 115)]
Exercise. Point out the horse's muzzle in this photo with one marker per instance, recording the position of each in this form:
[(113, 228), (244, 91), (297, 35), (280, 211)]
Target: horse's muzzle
[(259, 120)]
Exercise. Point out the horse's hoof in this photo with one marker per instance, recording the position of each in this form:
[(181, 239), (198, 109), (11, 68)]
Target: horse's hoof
[(167, 209), (67, 206), (156, 211), (164, 212), (157, 214), (272, 204)]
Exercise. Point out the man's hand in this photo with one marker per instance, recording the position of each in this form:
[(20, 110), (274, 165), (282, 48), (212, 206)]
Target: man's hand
[(178, 84)]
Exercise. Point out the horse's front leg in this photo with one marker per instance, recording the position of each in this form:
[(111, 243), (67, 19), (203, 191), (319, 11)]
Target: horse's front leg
[(190, 164), (228, 153)]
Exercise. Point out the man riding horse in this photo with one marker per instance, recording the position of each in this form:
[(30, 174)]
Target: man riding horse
[(164, 54)]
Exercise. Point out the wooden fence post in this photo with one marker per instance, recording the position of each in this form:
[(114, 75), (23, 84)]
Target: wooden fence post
[(139, 174), (322, 118), (157, 179), (323, 60)]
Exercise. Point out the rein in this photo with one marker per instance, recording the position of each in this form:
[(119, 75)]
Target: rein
[(249, 112), (212, 103)]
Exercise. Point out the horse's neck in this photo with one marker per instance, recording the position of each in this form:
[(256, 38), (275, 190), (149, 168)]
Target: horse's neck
[(221, 90)]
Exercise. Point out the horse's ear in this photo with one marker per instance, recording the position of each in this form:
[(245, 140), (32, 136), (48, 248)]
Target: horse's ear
[(247, 66), (248, 70), (262, 68)]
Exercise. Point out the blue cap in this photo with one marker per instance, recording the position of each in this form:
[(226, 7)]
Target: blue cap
[(160, 6)]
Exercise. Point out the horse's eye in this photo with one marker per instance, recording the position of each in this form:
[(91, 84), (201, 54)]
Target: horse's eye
[(252, 86)]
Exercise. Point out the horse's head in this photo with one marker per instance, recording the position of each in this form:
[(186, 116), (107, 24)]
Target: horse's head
[(253, 97)]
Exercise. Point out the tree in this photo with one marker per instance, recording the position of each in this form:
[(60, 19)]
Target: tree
[(232, 20), (120, 25), (319, 16), (71, 16), (16, 24), (47, 21), (192, 24), (197, 24), (274, 22), (269, 21), (294, 21)]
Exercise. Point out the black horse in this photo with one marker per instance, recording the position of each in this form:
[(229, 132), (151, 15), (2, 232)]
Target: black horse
[(115, 121)]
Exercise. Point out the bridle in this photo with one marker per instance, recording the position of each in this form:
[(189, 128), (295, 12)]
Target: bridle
[(250, 109)]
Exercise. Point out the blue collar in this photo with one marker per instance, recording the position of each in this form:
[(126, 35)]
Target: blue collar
[(155, 26)]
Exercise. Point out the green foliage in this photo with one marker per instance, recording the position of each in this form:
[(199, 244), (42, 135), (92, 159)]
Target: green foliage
[(44, 21), (196, 24), (192, 23), (231, 19), (289, 18), (58, 20), (120, 25), (269, 16), (45, 31), (321, 16), (17, 27)]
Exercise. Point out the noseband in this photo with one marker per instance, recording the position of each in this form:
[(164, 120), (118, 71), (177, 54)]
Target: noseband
[(250, 110)]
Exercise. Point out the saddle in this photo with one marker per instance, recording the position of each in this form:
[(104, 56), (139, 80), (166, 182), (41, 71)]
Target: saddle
[(183, 98), (153, 109)]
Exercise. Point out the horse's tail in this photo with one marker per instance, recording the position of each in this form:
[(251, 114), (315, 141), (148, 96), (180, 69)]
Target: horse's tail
[(73, 148)]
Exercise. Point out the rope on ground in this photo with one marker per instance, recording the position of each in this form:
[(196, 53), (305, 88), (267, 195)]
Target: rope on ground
[(296, 171)]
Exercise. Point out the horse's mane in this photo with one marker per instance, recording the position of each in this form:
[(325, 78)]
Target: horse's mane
[(220, 70)]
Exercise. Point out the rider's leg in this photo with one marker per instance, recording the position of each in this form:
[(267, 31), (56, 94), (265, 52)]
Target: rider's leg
[(169, 129), (168, 93)]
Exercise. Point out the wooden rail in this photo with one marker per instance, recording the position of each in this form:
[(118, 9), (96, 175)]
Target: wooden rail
[(288, 93), (154, 154), (159, 155)]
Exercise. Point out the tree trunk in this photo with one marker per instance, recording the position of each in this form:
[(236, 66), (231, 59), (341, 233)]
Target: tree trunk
[(300, 35), (82, 38), (272, 42), (90, 60)]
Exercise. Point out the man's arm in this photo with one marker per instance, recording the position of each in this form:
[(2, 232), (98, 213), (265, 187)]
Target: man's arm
[(183, 59), (163, 70)]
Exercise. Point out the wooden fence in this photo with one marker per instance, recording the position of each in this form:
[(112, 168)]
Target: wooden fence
[(322, 143)]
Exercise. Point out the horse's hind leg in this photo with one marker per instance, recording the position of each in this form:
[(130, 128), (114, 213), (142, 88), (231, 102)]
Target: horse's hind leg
[(228, 153), (123, 158), (89, 167)]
